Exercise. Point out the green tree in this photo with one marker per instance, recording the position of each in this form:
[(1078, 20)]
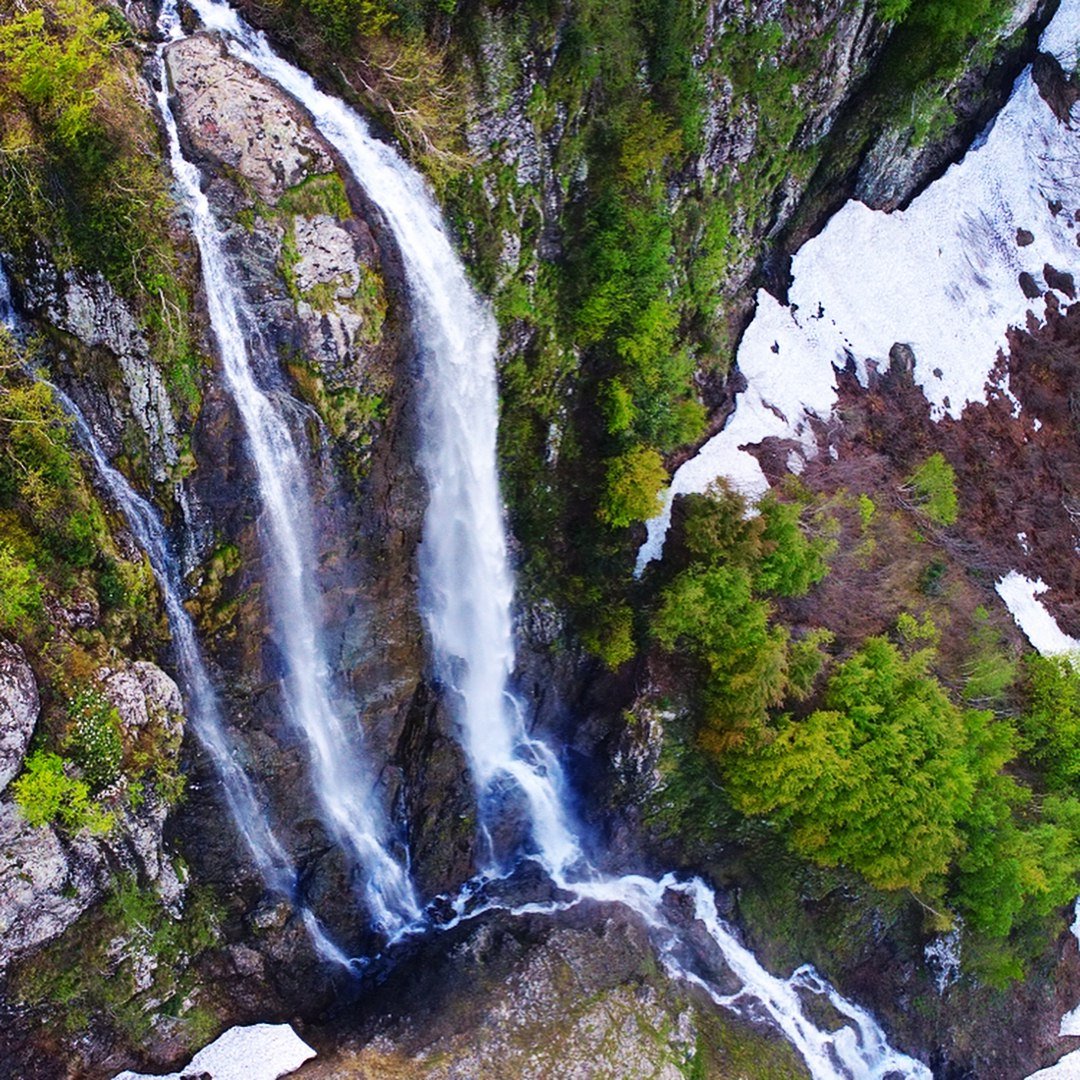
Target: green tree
[(632, 488), (877, 780), (718, 527), (933, 485), (791, 562), (711, 614), (1050, 723)]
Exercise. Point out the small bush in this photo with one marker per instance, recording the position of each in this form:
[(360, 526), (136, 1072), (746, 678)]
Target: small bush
[(20, 593), (933, 484), (611, 638), (633, 485), (46, 795)]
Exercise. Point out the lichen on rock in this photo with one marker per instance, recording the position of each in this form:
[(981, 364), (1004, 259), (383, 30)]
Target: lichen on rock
[(234, 118), (19, 707)]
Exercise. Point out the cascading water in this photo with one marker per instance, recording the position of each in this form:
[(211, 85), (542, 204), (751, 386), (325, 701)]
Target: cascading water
[(203, 704), (7, 312), (467, 589), (345, 792)]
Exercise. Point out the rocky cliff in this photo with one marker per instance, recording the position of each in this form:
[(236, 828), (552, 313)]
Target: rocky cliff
[(786, 117)]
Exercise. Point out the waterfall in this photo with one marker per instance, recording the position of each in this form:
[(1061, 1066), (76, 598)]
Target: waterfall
[(345, 791), (204, 708), (203, 704), (467, 588)]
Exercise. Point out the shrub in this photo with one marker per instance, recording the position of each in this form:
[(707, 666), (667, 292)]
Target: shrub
[(934, 486), (611, 637), (45, 795), (20, 593), (632, 488)]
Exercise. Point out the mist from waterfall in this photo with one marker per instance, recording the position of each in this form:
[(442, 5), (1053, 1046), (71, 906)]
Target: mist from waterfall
[(466, 590), (350, 811)]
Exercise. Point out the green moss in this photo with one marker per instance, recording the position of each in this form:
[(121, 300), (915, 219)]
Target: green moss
[(79, 175), (352, 416), (323, 193), (89, 974)]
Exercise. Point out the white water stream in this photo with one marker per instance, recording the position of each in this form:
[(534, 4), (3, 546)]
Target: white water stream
[(467, 588), (345, 790), (203, 705)]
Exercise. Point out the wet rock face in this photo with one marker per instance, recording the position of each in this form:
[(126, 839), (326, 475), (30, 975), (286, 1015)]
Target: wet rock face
[(19, 707), (324, 288), (233, 118)]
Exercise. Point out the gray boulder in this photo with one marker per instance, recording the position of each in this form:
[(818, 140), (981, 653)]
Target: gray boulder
[(45, 884), (19, 707), (232, 116)]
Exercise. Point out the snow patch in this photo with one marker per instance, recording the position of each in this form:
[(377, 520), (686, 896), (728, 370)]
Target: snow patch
[(257, 1052), (942, 277), (1068, 1068), (1021, 598), (1070, 1023)]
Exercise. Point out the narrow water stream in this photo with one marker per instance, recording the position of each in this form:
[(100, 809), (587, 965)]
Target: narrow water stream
[(344, 786)]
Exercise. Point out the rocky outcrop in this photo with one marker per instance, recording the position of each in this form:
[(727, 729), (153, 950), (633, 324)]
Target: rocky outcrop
[(150, 708), (576, 995), (312, 266), (231, 117), (109, 359), (46, 882), (49, 876), (896, 165), (19, 706), (147, 700)]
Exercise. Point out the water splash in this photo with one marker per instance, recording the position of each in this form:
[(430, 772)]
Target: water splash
[(349, 807), (467, 588)]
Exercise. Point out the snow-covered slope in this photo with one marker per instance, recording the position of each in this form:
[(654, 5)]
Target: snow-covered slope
[(942, 277)]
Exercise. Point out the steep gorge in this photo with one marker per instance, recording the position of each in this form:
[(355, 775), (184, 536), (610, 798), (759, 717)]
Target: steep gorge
[(321, 273)]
